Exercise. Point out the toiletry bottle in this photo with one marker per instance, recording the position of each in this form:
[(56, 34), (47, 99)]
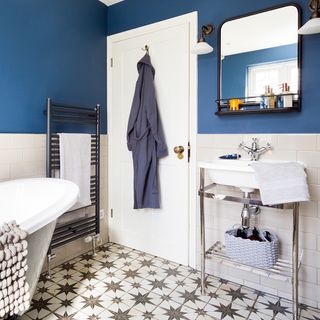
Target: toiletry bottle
[(287, 97), (231, 156), (264, 98), (263, 102), (255, 235), (271, 102), (234, 104), (280, 96), (279, 101)]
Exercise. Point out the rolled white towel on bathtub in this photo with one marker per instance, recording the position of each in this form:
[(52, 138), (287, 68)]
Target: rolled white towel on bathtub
[(13, 267)]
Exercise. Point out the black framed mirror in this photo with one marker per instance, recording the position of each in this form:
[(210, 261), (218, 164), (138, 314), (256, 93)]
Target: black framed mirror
[(259, 62)]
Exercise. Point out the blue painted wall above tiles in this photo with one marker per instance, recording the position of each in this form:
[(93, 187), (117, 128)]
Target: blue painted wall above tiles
[(134, 13), (50, 48)]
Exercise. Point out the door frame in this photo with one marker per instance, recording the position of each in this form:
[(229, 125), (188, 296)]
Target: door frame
[(192, 19)]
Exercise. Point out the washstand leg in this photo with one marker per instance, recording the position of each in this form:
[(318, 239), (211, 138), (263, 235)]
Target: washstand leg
[(295, 262), (202, 232)]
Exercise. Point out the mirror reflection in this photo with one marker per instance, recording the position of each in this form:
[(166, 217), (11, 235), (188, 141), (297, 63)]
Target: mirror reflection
[(259, 58)]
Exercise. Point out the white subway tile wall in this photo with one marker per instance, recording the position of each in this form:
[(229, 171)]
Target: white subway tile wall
[(220, 215), (24, 156)]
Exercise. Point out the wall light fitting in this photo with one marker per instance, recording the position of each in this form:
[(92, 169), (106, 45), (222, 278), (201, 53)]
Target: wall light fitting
[(202, 47), (313, 25)]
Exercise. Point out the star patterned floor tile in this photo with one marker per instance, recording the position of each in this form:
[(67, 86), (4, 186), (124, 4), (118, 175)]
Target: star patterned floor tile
[(256, 315), (69, 316), (103, 274), (175, 274), (191, 284), (43, 305), (90, 304), (280, 316), (67, 308), (142, 299), (205, 317), (49, 290), (117, 288), (147, 272), (160, 287), (309, 313), (228, 311), (68, 274), (147, 256), (156, 260), (129, 274), (109, 255), (238, 295), (121, 314), (117, 302), (273, 306), (158, 274), (120, 283), (89, 264), (173, 311), (44, 281), (98, 288), (194, 279), (147, 262), (121, 263), (190, 298)]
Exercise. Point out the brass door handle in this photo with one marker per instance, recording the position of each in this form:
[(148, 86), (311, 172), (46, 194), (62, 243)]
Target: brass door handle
[(179, 151)]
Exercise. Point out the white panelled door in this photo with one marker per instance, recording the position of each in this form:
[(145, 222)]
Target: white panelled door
[(163, 232)]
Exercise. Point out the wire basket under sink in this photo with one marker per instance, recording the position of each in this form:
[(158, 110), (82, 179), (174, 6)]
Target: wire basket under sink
[(262, 254)]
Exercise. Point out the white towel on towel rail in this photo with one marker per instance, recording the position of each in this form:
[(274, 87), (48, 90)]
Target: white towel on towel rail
[(281, 182), (75, 164)]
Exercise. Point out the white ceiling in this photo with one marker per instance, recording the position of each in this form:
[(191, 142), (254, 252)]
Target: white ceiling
[(110, 2), (260, 31)]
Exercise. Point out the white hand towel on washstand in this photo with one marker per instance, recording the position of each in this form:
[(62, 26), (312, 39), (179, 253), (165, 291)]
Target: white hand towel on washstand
[(281, 182), (75, 164)]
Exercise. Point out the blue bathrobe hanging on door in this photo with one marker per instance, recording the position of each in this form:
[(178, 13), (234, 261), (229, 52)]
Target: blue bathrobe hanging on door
[(145, 138)]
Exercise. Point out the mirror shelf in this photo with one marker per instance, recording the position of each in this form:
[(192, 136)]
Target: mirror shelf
[(254, 105), (256, 111)]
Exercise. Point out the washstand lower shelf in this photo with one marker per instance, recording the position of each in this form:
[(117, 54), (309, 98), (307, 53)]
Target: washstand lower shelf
[(281, 271)]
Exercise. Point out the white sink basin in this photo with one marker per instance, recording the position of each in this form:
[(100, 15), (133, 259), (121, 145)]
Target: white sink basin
[(237, 173)]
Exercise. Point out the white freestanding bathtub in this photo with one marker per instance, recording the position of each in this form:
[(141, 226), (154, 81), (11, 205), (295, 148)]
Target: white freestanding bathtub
[(35, 204)]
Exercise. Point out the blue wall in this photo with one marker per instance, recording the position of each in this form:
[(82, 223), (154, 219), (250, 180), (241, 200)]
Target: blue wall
[(235, 67), (134, 13), (50, 48)]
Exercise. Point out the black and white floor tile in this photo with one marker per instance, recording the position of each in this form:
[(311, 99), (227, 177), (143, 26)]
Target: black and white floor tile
[(120, 283)]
